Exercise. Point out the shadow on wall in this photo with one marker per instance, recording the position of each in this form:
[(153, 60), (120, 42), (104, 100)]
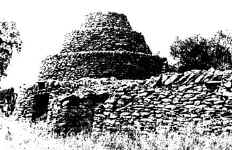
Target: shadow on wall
[(75, 113), (66, 113)]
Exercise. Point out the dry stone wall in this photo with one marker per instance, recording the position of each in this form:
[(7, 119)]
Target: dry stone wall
[(106, 46), (121, 64), (109, 104)]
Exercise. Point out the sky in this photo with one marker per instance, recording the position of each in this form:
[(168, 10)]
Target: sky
[(43, 24)]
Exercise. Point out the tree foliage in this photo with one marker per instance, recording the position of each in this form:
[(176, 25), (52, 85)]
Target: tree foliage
[(197, 52), (10, 43)]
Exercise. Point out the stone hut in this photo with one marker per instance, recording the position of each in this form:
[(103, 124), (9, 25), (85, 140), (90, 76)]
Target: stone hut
[(105, 46)]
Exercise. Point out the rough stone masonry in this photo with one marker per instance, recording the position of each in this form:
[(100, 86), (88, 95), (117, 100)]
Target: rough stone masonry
[(109, 104), (105, 78), (105, 46)]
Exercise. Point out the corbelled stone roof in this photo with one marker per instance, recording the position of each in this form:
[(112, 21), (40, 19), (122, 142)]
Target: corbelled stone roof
[(106, 20), (104, 46), (105, 32)]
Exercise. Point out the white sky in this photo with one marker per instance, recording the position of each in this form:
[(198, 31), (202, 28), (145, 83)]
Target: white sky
[(43, 24)]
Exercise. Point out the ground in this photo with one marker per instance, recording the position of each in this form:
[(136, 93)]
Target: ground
[(25, 136)]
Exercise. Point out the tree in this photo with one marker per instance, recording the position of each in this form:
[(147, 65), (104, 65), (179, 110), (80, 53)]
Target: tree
[(197, 52), (221, 47), (10, 43)]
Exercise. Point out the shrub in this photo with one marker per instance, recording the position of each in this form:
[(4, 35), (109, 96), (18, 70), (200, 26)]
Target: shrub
[(197, 52), (9, 43)]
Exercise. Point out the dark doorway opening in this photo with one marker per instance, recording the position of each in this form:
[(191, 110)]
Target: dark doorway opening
[(40, 106)]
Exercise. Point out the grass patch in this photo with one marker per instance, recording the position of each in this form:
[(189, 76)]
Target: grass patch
[(24, 136)]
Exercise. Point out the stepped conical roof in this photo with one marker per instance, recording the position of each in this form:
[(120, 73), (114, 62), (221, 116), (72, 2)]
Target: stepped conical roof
[(104, 46), (106, 20), (105, 32)]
